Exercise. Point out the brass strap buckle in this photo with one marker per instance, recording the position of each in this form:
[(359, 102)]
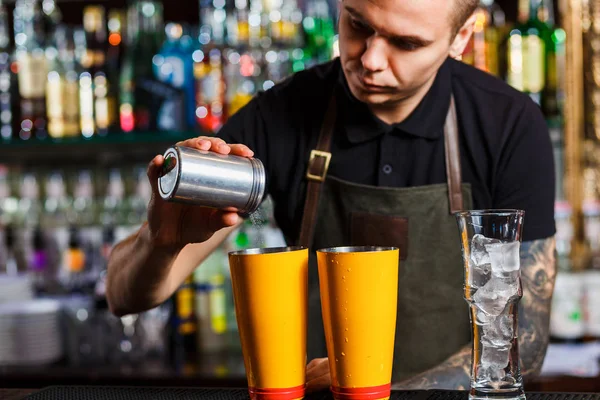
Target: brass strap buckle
[(313, 155)]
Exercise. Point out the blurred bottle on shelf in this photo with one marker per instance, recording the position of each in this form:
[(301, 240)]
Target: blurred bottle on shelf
[(319, 29), (6, 78), (528, 46), (183, 326), (486, 48), (62, 87), (32, 69), (210, 303), (210, 96), (174, 65), (145, 27)]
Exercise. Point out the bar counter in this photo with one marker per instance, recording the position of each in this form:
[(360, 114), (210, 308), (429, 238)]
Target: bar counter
[(133, 393)]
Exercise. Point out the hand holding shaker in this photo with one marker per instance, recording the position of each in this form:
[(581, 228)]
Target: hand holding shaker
[(208, 179)]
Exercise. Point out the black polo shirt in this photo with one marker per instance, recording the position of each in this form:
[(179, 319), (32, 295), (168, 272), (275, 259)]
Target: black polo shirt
[(505, 147)]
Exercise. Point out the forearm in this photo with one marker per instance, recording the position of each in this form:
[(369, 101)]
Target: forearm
[(538, 273), (137, 276), (142, 275), (454, 373)]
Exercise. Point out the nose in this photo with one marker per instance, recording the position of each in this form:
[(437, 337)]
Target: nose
[(375, 59)]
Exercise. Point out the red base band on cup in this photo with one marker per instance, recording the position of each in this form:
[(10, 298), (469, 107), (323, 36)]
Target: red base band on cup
[(277, 393), (362, 393)]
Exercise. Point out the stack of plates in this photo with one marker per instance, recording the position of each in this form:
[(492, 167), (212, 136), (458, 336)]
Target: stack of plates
[(30, 332), (15, 288)]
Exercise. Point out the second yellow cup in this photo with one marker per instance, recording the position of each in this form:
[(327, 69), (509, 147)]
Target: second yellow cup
[(359, 297), (270, 295)]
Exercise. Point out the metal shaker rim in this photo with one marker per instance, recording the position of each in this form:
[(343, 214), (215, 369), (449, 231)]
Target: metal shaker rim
[(258, 187), (171, 172)]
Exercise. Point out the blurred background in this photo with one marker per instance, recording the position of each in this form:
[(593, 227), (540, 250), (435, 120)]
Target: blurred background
[(90, 91)]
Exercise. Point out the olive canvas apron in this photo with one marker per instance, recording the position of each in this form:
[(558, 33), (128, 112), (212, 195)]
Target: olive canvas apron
[(432, 320)]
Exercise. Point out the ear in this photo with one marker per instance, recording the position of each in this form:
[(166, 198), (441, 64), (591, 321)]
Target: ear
[(457, 47)]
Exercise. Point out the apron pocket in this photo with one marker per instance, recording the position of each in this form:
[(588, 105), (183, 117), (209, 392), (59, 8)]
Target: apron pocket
[(379, 230)]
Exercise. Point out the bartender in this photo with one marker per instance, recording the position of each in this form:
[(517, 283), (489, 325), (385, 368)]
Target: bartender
[(379, 147)]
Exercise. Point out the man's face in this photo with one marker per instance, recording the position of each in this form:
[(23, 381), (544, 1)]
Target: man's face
[(389, 49)]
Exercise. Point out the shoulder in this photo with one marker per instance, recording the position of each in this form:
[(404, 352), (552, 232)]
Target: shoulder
[(484, 92), (491, 109), (304, 88)]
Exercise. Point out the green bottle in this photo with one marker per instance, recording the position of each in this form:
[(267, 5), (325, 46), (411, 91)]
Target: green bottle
[(527, 53)]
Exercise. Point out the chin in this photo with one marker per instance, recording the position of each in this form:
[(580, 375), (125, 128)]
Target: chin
[(370, 97)]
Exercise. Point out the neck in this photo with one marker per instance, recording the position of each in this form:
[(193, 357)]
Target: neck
[(399, 110)]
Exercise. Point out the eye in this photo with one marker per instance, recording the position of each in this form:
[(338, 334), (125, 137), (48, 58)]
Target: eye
[(404, 45), (359, 26), (401, 44)]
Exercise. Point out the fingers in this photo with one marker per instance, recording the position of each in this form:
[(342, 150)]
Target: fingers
[(316, 362), (217, 145), (317, 375), (153, 171), (219, 219), (241, 150), (318, 384)]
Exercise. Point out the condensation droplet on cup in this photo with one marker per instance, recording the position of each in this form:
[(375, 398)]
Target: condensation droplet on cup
[(344, 277), (337, 359), (346, 340), (343, 354), (346, 329), (349, 269), (345, 308)]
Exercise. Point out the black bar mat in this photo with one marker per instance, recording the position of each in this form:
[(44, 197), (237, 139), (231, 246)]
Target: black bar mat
[(139, 393)]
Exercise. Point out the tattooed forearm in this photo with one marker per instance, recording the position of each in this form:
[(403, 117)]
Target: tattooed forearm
[(538, 272), (454, 373)]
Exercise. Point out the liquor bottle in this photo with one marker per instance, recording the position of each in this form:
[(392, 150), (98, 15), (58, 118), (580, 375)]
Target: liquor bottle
[(29, 209), (527, 48), (39, 262), (291, 17), (74, 261), (487, 40), (319, 29), (238, 71), (83, 210), (94, 19), (51, 20), (553, 94), (242, 29), (174, 65), (62, 90), (113, 211), (56, 203), (114, 60), (145, 27), (184, 325), (6, 116), (32, 69), (210, 91)]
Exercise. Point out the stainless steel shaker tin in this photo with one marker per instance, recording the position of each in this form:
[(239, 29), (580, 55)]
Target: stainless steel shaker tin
[(214, 180)]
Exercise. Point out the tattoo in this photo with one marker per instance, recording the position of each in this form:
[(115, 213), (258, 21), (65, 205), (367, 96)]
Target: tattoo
[(454, 373), (538, 272)]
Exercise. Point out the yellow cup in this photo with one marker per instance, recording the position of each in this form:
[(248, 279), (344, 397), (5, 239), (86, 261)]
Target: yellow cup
[(270, 295), (359, 298)]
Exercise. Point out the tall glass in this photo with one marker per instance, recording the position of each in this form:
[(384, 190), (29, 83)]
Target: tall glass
[(491, 242)]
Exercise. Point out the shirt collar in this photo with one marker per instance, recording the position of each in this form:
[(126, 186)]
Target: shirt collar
[(426, 121)]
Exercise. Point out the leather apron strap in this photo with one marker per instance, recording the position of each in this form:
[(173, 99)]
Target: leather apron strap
[(453, 171), (320, 159)]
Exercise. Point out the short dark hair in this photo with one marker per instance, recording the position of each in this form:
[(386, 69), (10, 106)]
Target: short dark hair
[(463, 9)]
